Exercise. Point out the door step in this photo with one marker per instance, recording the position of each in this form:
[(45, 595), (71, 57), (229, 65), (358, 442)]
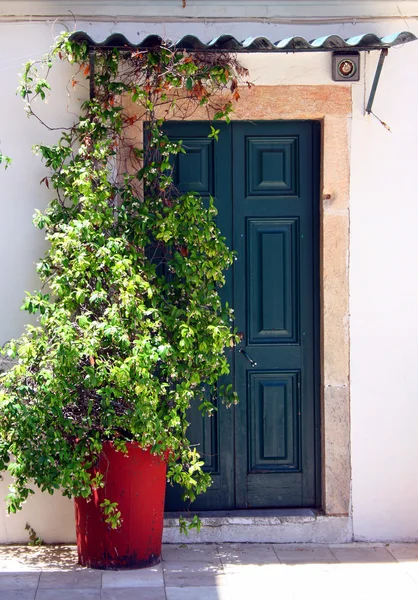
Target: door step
[(280, 526)]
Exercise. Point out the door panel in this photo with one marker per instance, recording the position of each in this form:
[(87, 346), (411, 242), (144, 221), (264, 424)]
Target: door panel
[(194, 171), (263, 452), (272, 165), (274, 433), (273, 307), (204, 169), (274, 273)]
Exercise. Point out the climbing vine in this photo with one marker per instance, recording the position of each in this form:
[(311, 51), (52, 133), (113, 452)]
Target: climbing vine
[(130, 327), (6, 161)]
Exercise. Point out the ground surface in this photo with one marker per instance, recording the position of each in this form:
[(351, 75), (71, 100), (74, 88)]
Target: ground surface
[(219, 572)]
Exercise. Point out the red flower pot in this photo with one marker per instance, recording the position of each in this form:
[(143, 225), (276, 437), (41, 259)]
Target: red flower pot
[(136, 481)]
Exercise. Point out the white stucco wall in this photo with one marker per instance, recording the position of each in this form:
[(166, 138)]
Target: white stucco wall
[(384, 246), (384, 317)]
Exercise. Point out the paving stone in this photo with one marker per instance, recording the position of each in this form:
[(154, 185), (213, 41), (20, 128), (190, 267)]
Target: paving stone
[(15, 566), (359, 554), (365, 583), (183, 574), (303, 553), (406, 561), (18, 581), (184, 566), (327, 581), (17, 594), (149, 577), (68, 594), (82, 579), (249, 571), (357, 581), (191, 553), (247, 554), (136, 593), (412, 571), (256, 575), (265, 582), (36, 558), (199, 593), (404, 552), (265, 592)]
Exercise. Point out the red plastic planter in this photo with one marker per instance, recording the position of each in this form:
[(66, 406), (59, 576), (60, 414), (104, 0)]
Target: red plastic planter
[(135, 481)]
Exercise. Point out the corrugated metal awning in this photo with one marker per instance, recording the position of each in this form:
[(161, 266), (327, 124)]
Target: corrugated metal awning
[(228, 43)]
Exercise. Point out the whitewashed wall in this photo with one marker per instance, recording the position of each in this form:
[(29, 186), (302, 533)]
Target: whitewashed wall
[(384, 300), (384, 247)]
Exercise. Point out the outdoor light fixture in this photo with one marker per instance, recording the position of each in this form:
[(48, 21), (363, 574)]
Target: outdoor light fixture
[(346, 67)]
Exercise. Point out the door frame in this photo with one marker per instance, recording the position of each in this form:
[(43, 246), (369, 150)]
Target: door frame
[(332, 106)]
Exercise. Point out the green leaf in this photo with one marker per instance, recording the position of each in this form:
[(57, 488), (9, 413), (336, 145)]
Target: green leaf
[(214, 133)]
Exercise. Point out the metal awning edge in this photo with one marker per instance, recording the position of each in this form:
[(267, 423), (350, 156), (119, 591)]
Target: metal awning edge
[(228, 43)]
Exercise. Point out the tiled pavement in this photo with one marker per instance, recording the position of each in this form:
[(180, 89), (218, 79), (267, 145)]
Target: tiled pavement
[(219, 572)]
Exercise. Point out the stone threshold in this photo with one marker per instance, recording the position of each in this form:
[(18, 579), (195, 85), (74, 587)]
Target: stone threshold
[(279, 526)]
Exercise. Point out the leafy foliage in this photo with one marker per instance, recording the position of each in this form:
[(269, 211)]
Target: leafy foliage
[(131, 329), (6, 161), (34, 539)]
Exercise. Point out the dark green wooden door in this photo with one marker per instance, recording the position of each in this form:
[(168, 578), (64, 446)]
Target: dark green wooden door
[(264, 178)]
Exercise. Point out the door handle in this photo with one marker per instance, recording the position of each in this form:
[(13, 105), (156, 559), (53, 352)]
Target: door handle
[(248, 357)]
